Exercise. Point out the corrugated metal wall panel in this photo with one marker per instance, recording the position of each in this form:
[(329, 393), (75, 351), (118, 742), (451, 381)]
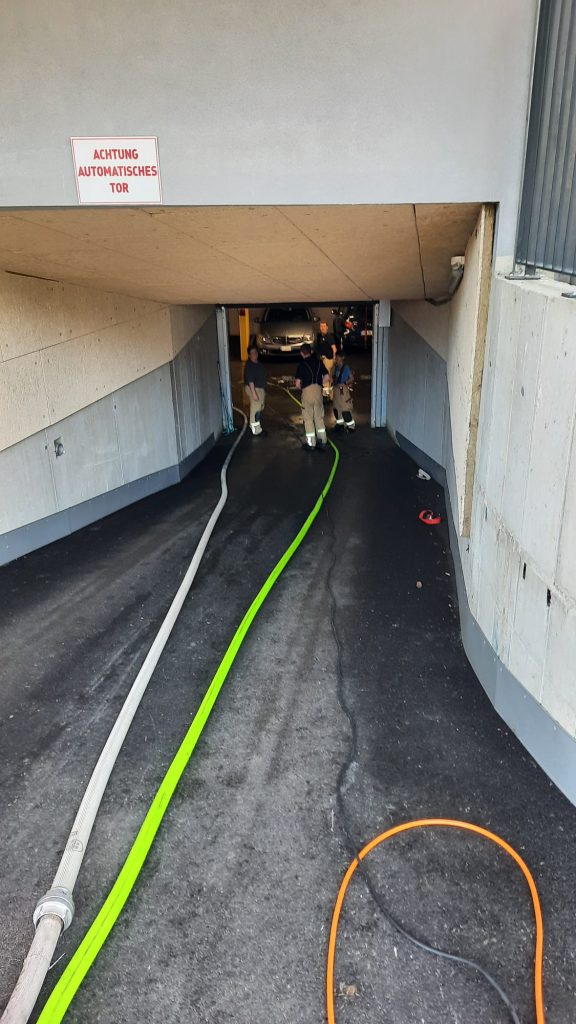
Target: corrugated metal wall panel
[(547, 226), (196, 389), (417, 390)]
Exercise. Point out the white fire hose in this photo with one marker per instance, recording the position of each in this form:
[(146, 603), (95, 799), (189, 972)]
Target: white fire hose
[(54, 912)]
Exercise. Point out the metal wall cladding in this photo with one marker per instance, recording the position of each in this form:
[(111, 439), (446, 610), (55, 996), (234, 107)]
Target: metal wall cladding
[(547, 226), (195, 385), (417, 390)]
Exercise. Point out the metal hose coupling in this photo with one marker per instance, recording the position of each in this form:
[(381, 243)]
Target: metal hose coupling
[(57, 901)]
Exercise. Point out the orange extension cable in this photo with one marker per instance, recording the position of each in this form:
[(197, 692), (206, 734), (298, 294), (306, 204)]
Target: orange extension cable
[(426, 823)]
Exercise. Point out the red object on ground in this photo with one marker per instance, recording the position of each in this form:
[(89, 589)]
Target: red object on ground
[(428, 516)]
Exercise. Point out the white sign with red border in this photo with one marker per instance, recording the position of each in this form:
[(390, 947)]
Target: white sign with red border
[(117, 170)]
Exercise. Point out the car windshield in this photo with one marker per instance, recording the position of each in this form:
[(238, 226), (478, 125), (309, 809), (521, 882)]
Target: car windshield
[(282, 314)]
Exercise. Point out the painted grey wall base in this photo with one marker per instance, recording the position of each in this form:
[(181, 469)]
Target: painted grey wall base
[(45, 531), (550, 745)]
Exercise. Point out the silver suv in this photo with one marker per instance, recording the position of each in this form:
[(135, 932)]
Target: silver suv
[(284, 329)]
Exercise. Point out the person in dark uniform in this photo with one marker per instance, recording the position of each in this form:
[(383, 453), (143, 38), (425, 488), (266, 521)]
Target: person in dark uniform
[(311, 377), (338, 328), (255, 389), (326, 349)]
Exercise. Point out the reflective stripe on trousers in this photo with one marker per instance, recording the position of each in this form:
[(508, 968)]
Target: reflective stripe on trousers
[(343, 407)]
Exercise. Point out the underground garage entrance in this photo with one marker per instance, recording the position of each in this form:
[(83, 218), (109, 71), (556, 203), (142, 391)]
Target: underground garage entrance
[(318, 658)]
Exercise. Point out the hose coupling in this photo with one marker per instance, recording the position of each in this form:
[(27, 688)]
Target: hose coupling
[(57, 901)]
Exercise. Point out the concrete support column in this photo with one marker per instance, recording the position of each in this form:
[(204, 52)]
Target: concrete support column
[(224, 367), (381, 321)]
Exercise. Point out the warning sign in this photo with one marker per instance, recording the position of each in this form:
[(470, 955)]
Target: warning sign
[(117, 170)]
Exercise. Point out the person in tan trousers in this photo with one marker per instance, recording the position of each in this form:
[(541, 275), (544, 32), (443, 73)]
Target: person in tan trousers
[(311, 377), (255, 389), (342, 401)]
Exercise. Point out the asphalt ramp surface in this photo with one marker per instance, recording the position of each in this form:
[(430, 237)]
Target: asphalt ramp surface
[(350, 708)]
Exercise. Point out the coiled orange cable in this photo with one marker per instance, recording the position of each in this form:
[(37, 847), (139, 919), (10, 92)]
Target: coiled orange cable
[(426, 823)]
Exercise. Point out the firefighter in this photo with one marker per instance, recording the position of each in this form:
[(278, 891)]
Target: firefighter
[(342, 395), (311, 377)]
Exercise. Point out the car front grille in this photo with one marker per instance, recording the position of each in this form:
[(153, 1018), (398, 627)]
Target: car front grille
[(288, 339)]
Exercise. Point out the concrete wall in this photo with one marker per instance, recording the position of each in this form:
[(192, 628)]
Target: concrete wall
[(260, 101), (132, 442), (521, 567), (519, 563), (63, 347), (457, 332)]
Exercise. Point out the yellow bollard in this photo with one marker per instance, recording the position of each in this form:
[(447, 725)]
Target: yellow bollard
[(244, 324)]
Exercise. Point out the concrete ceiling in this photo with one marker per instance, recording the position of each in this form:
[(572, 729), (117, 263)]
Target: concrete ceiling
[(241, 255)]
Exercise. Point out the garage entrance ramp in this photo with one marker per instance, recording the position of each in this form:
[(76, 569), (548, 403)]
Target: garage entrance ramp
[(352, 681)]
